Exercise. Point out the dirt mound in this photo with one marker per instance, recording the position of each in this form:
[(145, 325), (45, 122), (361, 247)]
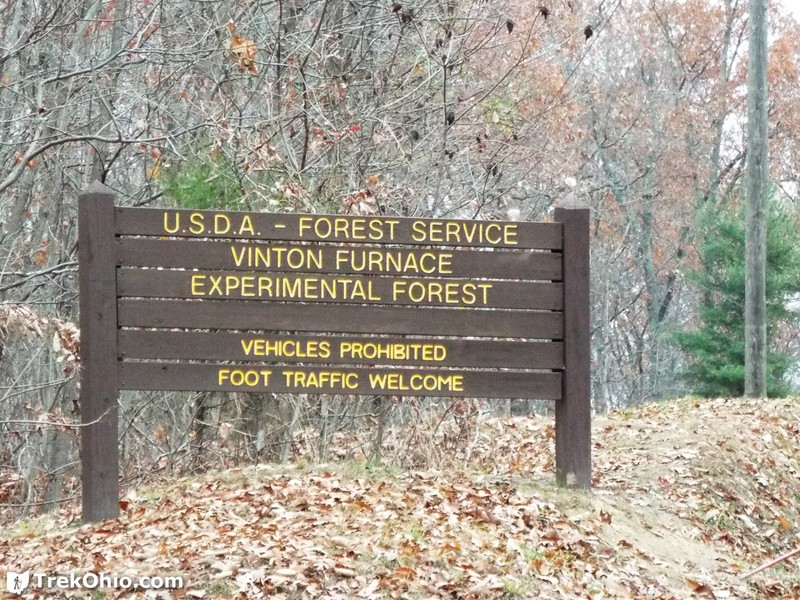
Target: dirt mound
[(687, 496)]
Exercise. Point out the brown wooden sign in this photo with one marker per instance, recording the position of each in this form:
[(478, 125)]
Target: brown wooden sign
[(360, 260), (346, 289), (336, 228), (338, 380), (291, 316), (287, 303), (154, 344)]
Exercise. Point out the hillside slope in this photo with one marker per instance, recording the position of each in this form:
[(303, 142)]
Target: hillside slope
[(688, 496)]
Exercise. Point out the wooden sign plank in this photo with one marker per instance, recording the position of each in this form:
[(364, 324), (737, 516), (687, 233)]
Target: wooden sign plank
[(338, 228), (327, 380), (431, 352), (294, 316), (352, 289), (320, 258)]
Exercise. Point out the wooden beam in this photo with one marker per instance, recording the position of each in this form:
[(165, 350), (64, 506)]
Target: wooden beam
[(98, 322), (149, 344), (184, 223), (371, 381), (238, 255), (574, 410), (320, 288), (339, 318)]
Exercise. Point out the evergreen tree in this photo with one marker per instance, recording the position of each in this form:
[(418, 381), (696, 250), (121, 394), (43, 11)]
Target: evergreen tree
[(716, 348)]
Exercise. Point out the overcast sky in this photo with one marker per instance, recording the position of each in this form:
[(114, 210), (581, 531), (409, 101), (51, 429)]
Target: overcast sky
[(793, 6)]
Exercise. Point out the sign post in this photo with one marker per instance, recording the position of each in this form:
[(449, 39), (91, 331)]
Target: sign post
[(97, 280), (290, 303), (574, 408)]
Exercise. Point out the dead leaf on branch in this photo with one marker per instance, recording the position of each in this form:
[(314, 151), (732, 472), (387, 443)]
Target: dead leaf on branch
[(25, 321), (241, 50)]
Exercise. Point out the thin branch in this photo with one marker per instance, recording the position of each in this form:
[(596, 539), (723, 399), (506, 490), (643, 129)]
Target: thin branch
[(772, 563), (34, 151), (25, 277)]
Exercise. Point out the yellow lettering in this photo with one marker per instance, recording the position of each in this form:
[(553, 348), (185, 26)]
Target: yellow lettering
[(222, 224), (196, 220), (238, 259), (340, 227), (469, 293), (498, 238), (445, 263), (429, 292), (485, 287), (291, 289), (310, 289), (435, 231), (465, 232), (375, 230), (452, 294), (398, 289), (264, 286), (341, 259), (358, 229), (418, 231), (246, 226), (510, 234), (378, 351), (177, 226), (427, 262), (248, 283), (231, 284), (411, 264), (417, 382), (243, 377), (304, 225), (325, 231), (470, 229), (392, 261), (286, 348), (198, 283), (276, 257), (370, 293), (321, 379), (386, 260), (378, 381), (216, 285), (453, 232), (435, 291)]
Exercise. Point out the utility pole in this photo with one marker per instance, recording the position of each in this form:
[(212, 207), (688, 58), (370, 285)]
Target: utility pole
[(757, 172)]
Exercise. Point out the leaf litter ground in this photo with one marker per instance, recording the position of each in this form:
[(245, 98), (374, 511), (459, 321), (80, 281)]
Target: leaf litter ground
[(688, 495)]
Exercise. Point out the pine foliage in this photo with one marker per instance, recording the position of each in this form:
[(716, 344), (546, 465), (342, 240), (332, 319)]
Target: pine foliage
[(715, 349)]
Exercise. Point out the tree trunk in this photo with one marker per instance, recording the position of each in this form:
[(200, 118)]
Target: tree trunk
[(755, 329)]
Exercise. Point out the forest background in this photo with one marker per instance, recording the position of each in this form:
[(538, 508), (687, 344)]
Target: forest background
[(445, 108)]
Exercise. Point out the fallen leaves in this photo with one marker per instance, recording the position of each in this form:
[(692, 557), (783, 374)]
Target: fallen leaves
[(672, 514), (323, 535)]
